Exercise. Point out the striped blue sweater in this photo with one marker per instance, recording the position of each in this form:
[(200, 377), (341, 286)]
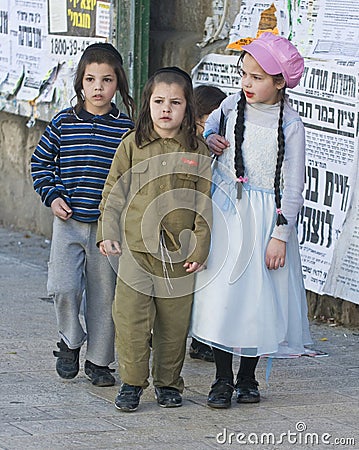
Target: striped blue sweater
[(73, 158)]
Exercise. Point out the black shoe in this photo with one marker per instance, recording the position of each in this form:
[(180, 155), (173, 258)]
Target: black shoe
[(247, 390), (168, 397), (203, 352), (99, 375), (128, 397), (220, 395), (67, 364)]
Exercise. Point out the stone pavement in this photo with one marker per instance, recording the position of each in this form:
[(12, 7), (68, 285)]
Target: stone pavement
[(309, 403)]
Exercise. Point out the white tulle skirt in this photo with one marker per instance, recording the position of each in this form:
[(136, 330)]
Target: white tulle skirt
[(239, 305)]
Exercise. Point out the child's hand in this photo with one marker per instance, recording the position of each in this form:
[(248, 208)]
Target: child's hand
[(109, 248), (275, 254), (217, 143), (61, 209), (193, 267)]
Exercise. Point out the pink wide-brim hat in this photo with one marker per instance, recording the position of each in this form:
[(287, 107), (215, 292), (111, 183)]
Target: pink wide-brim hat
[(275, 54)]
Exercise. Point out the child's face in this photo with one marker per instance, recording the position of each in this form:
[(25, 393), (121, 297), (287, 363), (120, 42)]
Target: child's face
[(167, 108), (257, 85), (99, 84)]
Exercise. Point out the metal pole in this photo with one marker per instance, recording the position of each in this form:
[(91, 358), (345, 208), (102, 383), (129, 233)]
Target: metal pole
[(133, 19)]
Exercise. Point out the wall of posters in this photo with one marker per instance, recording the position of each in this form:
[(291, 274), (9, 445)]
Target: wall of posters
[(327, 100), (41, 43)]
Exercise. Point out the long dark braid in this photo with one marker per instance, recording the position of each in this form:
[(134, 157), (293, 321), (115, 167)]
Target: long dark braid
[(238, 156), (281, 220), (239, 137)]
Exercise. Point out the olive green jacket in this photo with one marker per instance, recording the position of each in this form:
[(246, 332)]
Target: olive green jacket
[(160, 189)]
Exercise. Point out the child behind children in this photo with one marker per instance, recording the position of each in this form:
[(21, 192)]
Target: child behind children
[(156, 212), (69, 168), (206, 99), (253, 299)]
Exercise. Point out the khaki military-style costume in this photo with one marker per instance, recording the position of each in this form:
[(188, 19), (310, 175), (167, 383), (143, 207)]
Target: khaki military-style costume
[(156, 203)]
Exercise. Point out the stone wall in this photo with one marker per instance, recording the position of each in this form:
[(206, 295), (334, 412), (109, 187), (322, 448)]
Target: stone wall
[(332, 310), (175, 32), (20, 206)]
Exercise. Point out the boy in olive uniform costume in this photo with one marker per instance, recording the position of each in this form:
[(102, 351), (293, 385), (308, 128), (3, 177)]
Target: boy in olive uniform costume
[(156, 212)]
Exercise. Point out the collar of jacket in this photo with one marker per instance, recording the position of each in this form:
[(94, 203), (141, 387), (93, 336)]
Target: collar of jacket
[(180, 138), (114, 113)]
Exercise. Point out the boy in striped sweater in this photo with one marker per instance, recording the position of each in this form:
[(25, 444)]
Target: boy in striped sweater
[(69, 167)]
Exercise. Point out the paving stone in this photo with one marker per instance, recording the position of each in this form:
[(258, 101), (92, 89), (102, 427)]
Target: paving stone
[(40, 411)]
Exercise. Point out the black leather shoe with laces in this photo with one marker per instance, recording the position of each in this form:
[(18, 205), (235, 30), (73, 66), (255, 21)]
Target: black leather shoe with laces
[(168, 397), (220, 395), (247, 390), (67, 364), (128, 397), (99, 375)]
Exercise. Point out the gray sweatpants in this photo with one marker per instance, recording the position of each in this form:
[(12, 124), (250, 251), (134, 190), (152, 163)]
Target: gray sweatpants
[(77, 270)]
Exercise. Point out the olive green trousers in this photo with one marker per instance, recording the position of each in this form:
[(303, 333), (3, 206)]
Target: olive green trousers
[(149, 300)]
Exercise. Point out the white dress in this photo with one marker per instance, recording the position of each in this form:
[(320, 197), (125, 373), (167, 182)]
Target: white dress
[(239, 305)]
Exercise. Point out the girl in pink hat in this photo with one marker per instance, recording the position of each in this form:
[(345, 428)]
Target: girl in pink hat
[(251, 299)]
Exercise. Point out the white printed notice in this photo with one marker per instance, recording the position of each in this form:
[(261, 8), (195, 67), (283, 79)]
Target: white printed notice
[(4, 40), (218, 70), (337, 30), (28, 30), (327, 101), (343, 274)]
